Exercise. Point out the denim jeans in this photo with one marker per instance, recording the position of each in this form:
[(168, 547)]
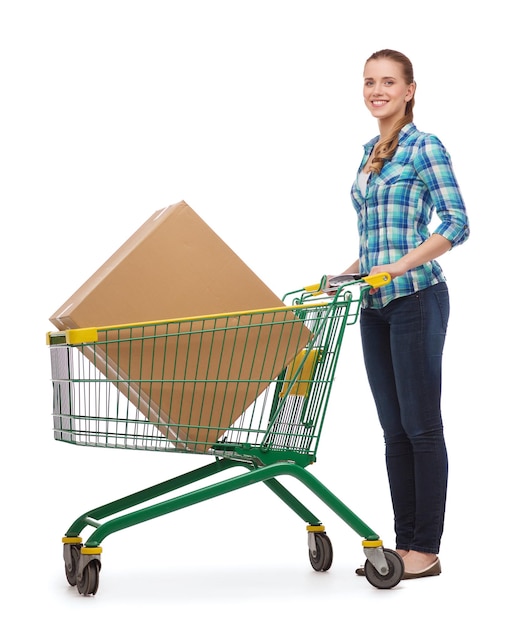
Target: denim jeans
[(402, 345)]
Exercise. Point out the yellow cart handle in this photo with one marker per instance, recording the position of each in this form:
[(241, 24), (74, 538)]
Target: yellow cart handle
[(375, 281), (313, 288)]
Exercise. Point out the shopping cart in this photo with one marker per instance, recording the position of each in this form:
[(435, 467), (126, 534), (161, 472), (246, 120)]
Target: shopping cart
[(211, 385)]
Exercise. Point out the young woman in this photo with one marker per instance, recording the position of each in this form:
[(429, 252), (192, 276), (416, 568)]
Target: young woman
[(404, 177)]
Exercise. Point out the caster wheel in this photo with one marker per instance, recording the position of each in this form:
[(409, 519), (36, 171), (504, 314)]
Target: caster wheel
[(322, 559), (72, 558), (394, 575), (87, 583)]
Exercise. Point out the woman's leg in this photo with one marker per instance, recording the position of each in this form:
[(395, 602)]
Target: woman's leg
[(405, 372), (375, 334)]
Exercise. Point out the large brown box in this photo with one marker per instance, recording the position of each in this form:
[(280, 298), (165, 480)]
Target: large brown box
[(172, 267)]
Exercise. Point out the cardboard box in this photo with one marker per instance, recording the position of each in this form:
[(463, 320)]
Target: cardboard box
[(173, 266), (176, 267)]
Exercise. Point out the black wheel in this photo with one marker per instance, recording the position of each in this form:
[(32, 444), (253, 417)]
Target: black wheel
[(323, 557), (71, 562), (394, 575), (90, 577)]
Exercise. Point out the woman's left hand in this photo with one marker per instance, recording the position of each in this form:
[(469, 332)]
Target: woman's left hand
[(393, 269)]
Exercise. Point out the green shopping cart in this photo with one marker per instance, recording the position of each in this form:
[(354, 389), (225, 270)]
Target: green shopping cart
[(248, 388)]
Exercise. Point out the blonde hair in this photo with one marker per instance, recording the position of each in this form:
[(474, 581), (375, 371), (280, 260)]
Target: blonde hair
[(386, 146)]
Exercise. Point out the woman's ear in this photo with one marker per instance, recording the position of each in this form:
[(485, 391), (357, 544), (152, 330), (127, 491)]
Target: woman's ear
[(411, 91)]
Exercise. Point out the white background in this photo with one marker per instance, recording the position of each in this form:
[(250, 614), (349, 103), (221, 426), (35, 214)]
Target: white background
[(252, 113)]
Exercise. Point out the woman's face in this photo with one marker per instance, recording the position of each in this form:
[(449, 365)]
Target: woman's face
[(385, 91)]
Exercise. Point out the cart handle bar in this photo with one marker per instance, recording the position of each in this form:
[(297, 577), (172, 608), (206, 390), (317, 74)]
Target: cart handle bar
[(375, 281)]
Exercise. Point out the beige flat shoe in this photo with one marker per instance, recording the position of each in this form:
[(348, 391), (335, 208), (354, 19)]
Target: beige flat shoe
[(432, 570)]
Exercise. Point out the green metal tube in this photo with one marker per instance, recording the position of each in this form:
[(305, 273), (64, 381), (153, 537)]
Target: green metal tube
[(226, 486), (290, 500), (148, 494)]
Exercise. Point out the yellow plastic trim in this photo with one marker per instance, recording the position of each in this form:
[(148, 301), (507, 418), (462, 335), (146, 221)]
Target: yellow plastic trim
[(315, 529), (81, 335), (71, 539), (97, 550), (310, 359), (378, 280), (377, 543)]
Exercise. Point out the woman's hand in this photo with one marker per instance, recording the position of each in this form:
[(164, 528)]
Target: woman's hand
[(393, 269)]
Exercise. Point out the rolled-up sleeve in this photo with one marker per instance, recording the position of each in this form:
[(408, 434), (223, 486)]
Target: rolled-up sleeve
[(433, 165)]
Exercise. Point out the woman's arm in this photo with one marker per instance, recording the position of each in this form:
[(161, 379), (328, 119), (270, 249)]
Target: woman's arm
[(352, 269), (433, 247), (433, 166)]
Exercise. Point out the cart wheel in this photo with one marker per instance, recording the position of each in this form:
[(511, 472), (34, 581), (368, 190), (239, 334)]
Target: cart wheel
[(90, 577), (322, 560), (394, 575), (71, 563)]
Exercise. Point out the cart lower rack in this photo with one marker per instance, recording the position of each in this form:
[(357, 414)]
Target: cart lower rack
[(249, 389)]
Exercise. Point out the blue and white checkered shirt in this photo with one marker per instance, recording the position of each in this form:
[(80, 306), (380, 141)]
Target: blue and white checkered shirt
[(397, 206)]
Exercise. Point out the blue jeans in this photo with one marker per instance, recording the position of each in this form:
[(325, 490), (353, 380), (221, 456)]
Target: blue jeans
[(402, 345)]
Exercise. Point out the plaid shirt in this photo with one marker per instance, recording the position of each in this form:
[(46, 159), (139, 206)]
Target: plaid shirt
[(395, 212)]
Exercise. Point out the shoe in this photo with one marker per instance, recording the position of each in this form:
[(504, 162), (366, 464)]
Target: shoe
[(432, 570)]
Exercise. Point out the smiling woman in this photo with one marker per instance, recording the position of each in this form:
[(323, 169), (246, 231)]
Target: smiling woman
[(404, 178), (389, 94)]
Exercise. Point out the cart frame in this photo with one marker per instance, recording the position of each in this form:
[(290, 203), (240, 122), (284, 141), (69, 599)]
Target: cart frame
[(261, 461)]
